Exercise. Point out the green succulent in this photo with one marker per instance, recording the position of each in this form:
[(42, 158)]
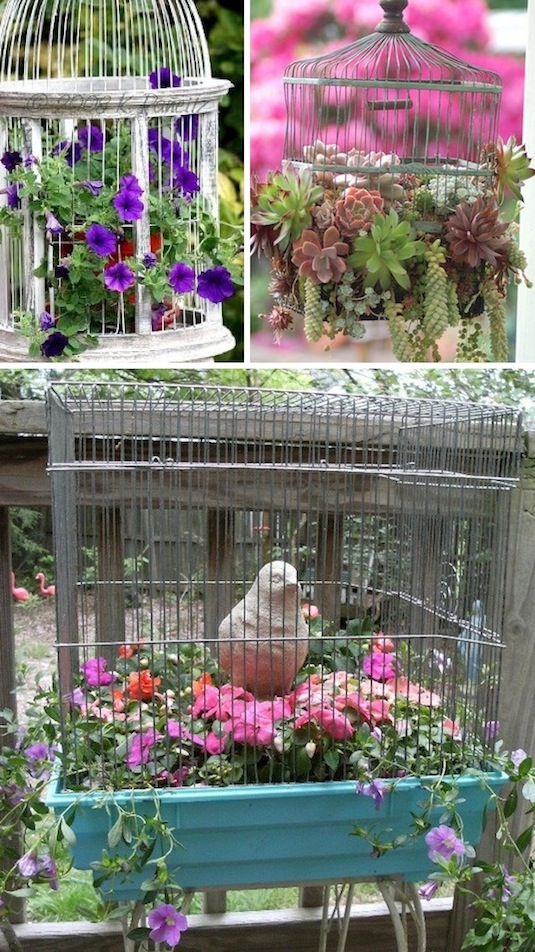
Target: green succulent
[(379, 253), (284, 202), (512, 166)]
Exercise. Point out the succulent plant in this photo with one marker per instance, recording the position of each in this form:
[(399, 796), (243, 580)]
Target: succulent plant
[(284, 202), (320, 258), (379, 254), (356, 210), (512, 166), (475, 233)]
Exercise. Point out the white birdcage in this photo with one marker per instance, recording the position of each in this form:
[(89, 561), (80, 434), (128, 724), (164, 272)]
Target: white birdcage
[(108, 168)]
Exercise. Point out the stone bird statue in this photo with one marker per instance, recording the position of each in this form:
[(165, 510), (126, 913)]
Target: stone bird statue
[(264, 639)]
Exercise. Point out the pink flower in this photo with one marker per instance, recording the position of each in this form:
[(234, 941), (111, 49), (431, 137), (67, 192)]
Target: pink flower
[(310, 611), (95, 674), (166, 924), (333, 723), (254, 724), (139, 752), (444, 843), (380, 666)]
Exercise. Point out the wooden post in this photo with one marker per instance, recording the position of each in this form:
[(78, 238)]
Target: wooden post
[(109, 596)]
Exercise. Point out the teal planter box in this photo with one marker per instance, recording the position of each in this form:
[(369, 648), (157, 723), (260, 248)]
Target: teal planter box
[(277, 834)]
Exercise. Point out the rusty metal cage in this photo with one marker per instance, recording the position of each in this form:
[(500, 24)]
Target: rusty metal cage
[(108, 160), (169, 501), (390, 106)]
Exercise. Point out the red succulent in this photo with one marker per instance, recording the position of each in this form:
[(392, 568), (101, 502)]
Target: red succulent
[(320, 259), (475, 233)]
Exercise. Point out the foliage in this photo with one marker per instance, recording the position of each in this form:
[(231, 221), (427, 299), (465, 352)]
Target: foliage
[(440, 253), (30, 545)]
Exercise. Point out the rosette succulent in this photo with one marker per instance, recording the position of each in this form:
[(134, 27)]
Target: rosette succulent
[(284, 203), (512, 167), (356, 210), (475, 233), (321, 259), (379, 254)]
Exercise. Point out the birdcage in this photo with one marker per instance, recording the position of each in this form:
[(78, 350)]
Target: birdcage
[(388, 202), (108, 165), (264, 597)]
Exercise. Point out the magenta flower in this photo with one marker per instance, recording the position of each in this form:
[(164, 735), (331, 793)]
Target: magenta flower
[(380, 666), (166, 924), (376, 789), (253, 725), (182, 278), (54, 345), (163, 78), (101, 240), (444, 843), (95, 674), (119, 277), (428, 890), (333, 723), (127, 205), (91, 138), (139, 752), (10, 160), (215, 284)]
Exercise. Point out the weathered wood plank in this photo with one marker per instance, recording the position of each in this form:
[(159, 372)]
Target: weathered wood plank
[(268, 931)]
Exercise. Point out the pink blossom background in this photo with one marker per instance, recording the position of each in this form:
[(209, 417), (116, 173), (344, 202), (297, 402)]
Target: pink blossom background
[(301, 28)]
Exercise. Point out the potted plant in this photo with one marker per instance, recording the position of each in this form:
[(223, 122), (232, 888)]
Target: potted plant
[(424, 252)]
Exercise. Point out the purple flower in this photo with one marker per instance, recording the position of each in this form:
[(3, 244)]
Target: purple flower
[(54, 345), (518, 756), (10, 160), (139, 752), (101, 240), (75, 696), (29, 161), (443, 842), (95, 674), (29, 864), (491, 729), (131, 184), (62, 268), (186, 181), (150, 259), (52, 225), (215, 284), (119, 277), (182, 278), (166, 924), (49, 869), (376, 789), (428, 890), (38, 751), (127, 205), (71, 151), (94, 186), (91, 138), (163, 78), (13, 197), (187, 127)]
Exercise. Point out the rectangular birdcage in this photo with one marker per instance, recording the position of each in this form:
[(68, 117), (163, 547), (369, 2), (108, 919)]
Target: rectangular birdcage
[(367, 538)]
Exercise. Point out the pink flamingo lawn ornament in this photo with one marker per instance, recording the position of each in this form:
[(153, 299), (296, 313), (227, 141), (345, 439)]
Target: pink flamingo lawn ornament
[(45, 590), (19, 594)]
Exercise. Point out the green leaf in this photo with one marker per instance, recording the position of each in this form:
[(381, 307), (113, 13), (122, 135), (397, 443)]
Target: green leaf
[(115, 834), (67, 832), (511, 803), (524, 840)]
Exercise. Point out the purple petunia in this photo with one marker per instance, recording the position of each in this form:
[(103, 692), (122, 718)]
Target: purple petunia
[(186, 181), (46, 321), (91, 138), (62, 268), (13, 197), (94, 186), (215, 284), (491, 729), (52, 225), (376, 789), (10, 160), (166, 924), (130, 183), (187, 127), (182, 278), (163, 78), (127, 205), (119, 277), (71, 151), (54, 345), (444, 843), (101, 240), (150, 259)]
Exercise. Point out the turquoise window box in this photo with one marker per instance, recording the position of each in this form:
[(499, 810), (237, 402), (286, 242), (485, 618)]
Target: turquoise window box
[(278, 834)]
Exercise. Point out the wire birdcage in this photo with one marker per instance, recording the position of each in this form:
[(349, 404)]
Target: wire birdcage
[(109, 149), (390, 106), (179, 512)]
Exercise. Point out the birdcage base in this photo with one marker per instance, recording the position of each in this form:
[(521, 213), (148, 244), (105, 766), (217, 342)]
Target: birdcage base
[(301, 832), (190, 345)]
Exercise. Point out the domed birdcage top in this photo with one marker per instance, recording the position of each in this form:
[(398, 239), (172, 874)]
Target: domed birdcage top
[(393, 94), (138, 48)]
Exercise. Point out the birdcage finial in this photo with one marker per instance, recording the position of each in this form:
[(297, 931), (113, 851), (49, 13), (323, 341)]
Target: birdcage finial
[(393, 21)]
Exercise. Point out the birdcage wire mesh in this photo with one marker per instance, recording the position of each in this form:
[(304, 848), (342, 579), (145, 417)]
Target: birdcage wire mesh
[(113, 90), (390, 106), (168, 503)]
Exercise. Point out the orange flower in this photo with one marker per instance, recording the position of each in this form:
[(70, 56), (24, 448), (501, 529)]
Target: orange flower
[(118, 700), (201, 683), (129, 650), (142, 686)]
